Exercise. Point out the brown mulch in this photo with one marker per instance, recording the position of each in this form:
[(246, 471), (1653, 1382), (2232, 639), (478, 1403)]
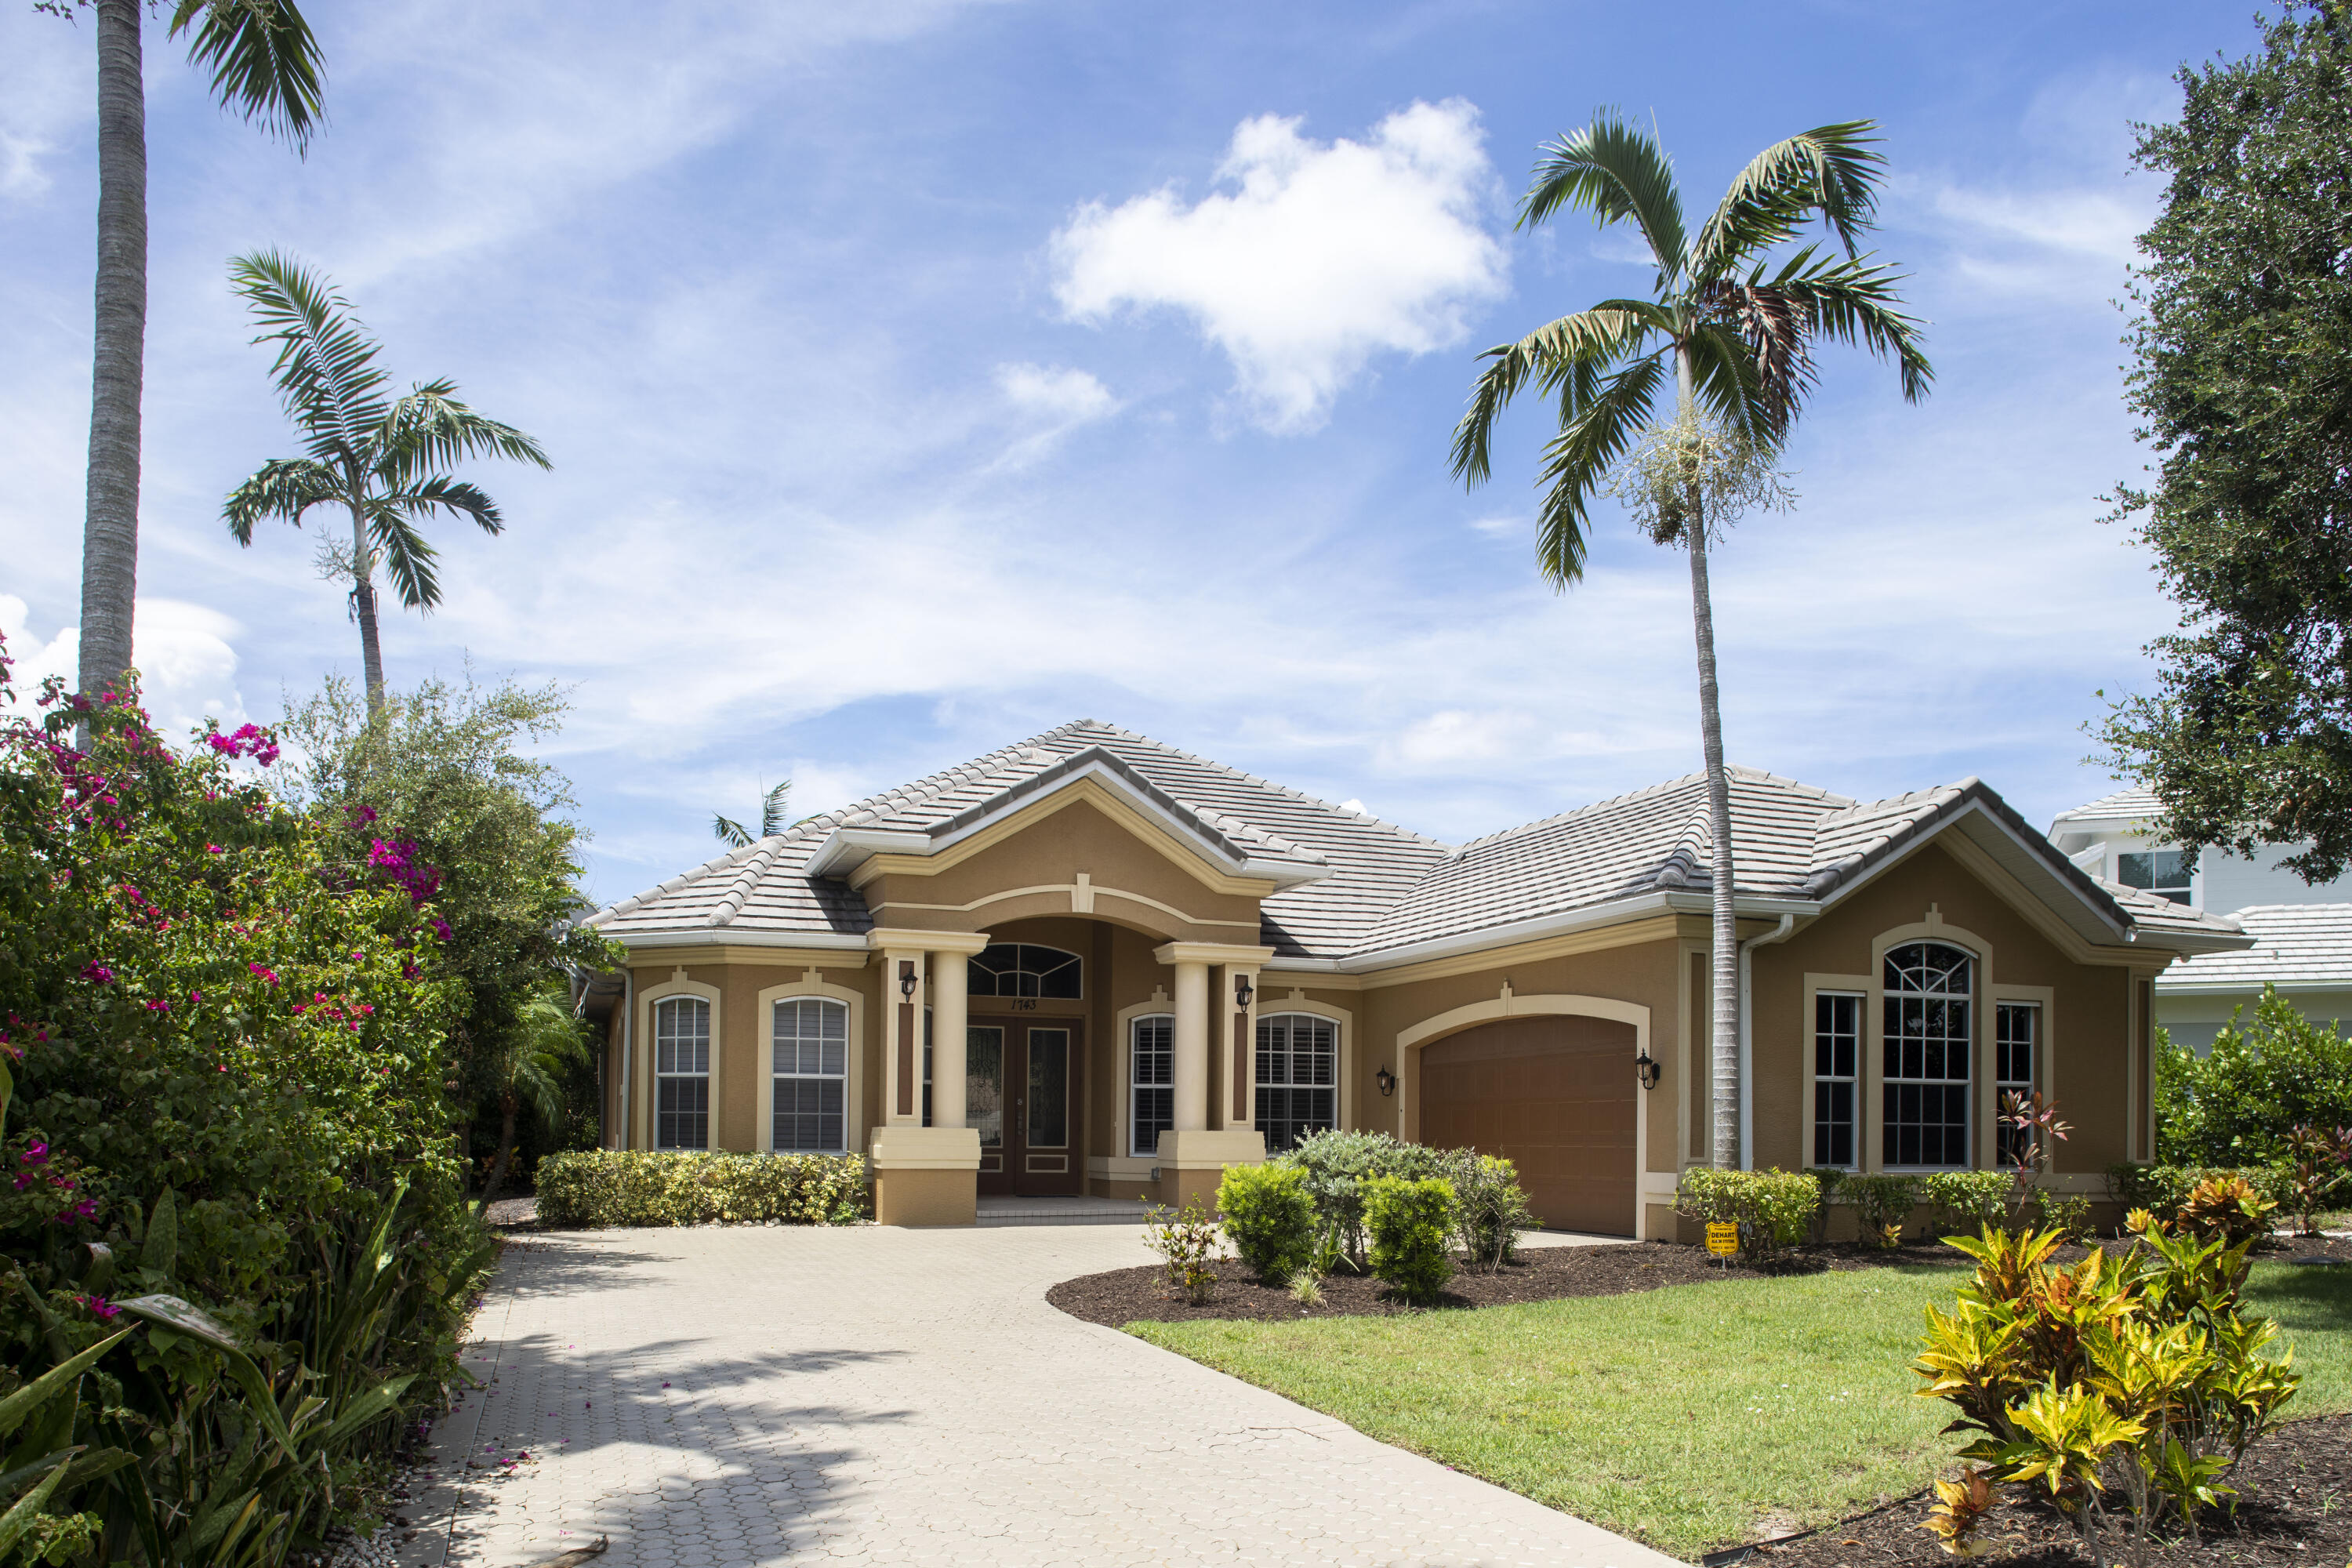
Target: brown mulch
[(1542, 1274), (2294, 1486)]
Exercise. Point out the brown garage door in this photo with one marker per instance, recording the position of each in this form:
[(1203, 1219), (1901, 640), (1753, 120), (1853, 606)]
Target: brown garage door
[(1553, 1095)]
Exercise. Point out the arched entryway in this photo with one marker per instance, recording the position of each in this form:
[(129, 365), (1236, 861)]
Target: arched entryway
[(1553, 1094)]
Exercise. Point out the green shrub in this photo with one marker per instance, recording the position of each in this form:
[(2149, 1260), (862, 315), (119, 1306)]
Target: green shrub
[(2122, 1390), (2235, 1106), (1826, 1177), (1339, 1163), (2067, 1214), (1773, 1209), (1882, 1206), (1968, 1200), (604, 1189), (1490, 1208), (2163, 1189), (1186, 1241), (1269, 1216), (1411, 1224)]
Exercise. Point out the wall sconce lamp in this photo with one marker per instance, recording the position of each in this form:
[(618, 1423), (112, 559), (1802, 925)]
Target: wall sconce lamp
[(1387, 1080), (1645, 1067), (906, 981), (1242, 991)]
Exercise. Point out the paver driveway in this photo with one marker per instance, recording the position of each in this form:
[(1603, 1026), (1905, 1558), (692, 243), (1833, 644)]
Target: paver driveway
[(724, 1396)]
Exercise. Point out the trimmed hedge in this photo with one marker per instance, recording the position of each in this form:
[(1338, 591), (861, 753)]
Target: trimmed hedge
[(602, 1189)]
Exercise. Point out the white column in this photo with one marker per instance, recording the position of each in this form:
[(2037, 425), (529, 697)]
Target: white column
[(1191, 1065), (949, 991)]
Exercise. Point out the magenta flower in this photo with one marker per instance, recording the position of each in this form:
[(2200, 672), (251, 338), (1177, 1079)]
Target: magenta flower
[(441, 928), (97, 973), (159, 1006), (37, 1154), (267, 975), (100, 1305)]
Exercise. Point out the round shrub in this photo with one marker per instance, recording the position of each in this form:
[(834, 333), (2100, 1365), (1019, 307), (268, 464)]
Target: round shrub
[(1269, 1216), (1410, 1222)]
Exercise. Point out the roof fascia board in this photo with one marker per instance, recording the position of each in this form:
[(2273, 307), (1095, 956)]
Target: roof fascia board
[(845, 849), (735, 936)]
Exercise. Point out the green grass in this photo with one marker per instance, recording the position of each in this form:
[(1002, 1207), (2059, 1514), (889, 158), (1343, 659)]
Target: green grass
[(1682, 1416)]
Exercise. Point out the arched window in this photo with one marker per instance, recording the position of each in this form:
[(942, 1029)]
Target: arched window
[(812, 1066), (1025, 969), (682, 1073), (1297, 1078), (1151, 1082), (1928, 1041)]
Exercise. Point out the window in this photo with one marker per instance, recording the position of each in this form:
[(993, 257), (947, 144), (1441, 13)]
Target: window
[(2164, 872), (2016, 1042), (1297, 1078), (811, 1064), (1151, 1082), (1930, 989), (682, 1073), (1837, 1056), (1024, 968)]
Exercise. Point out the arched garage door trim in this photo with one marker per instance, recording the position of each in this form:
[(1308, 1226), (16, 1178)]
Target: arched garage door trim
[(1507, 1006)]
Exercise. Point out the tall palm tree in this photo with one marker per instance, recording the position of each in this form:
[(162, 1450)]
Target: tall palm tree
[(382, 459), (266, 65), (727, 830), (1733, 334)]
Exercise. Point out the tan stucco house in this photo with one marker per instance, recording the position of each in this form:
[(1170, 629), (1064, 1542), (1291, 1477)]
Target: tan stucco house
[(1090, 963)]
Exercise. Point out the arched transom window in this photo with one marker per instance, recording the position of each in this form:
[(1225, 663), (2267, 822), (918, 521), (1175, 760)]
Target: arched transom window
[(812, 1064), (1025, 969), (1927, 1038), (682, 1073)]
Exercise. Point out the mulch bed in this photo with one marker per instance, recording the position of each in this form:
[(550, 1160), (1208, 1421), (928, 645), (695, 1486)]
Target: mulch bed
[(2294, 1486), (1543, 1274)]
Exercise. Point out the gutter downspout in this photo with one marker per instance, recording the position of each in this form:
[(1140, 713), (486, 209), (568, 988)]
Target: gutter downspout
[(628, 1040), (1747, 1040)]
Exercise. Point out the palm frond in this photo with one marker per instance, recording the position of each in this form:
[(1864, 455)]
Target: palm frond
[(439, 492), (548, 1042), (1831, 172), (727, 830), (1855, 302), (429, 429), (1551, 354), (771, 809), (264, 61), (1578, 459), (407, 558), (1617, 171), (282, 487), (326, 371), (1725, 381)]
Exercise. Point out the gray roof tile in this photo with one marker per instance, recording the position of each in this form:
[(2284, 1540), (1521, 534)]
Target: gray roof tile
[(2295, 944)]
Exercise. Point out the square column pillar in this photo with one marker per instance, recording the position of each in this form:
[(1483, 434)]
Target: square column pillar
[(1240, 1110), (902, 1037), (923, 1175), (1193, 1158), (949, 991)]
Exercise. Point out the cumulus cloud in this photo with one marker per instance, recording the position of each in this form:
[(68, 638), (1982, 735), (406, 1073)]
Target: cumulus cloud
[(1056, 393), (187, 668), (1317, 257)]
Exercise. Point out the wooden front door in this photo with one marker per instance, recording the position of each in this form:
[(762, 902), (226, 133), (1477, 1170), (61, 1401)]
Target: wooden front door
[(1023, 1094)]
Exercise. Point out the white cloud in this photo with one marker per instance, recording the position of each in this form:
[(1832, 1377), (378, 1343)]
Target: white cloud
[(1501, 527), (1063, 396), (1320, 256), (187, 668), (1455, 736)]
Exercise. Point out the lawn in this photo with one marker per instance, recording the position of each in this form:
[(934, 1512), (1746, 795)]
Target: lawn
[(1682, 1416)]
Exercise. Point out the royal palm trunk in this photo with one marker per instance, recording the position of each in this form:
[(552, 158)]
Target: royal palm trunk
[(110, 565)]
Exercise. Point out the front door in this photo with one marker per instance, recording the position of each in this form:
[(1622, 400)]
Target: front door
[(1022, 1096)]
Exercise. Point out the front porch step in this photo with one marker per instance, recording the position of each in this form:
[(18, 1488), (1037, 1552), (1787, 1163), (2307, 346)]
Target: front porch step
[(1069, 1210)]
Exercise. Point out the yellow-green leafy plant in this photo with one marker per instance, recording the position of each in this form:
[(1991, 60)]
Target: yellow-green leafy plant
[(1964, 1200), (2124, 1388), (1269, 1216), (2227, 1207), (1186, 1241), (1411, 1224), (1490, 1207)]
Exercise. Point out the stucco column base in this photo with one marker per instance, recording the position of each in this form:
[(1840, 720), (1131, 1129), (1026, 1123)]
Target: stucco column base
[(1193, 1163), (925, 1176)]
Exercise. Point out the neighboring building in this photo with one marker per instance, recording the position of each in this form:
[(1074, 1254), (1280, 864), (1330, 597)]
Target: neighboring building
[(2302, 933), (1089, 963)]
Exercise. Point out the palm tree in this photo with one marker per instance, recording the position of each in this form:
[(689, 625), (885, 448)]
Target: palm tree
[(727, 830), (544, 1042), (265, 64), (382, 459), (1735, 334)]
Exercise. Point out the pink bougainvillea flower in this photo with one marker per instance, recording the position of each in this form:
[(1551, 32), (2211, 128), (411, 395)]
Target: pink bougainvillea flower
[(196, 997), (159, 1006), (268, 975), (100, 1305), (214, 849), (97, 973), (37, 1155)]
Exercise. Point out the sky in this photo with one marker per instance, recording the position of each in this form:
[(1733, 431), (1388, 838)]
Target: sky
[(920, 374)]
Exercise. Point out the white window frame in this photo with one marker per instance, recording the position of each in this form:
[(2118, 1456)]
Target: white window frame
[(667, 1049), (1136, 1086), (1858, 1002), (2186, 885), (1888, 1083), (1262, 1086), (2002, 1086), (777, 1047)]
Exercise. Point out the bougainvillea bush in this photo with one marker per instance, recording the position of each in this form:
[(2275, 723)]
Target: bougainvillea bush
[(224, 1023)]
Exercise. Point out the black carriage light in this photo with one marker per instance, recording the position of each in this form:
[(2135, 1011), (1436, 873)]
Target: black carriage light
[(906, 981), (1242, 992), (1387, 1080), (1645, 1067)]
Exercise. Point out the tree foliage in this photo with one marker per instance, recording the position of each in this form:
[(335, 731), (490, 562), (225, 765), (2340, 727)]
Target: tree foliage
[(2243, 388), (2238, 1104)]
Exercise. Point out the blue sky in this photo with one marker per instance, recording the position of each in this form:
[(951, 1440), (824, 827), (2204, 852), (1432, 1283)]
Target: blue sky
[(920, 375)]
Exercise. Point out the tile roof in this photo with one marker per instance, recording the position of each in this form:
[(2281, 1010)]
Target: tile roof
[(2124, 805), (1379, 888), (2295, 944)]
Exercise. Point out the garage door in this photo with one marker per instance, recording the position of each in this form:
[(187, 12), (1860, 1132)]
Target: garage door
[(1553, 1095)]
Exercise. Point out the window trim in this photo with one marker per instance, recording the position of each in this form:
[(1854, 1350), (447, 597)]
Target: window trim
[(644, 1112), (2045, 1058), (1814, 995), (1974, 1047), (710, 1049), (767, 1111), (1128, 1087), (1267, 1015), (811, 982)]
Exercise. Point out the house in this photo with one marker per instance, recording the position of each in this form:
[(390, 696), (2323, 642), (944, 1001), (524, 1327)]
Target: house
[(2302, 932), (1091, 962)]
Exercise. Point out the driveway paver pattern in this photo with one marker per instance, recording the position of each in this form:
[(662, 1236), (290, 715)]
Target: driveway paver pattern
[(712, 1397)]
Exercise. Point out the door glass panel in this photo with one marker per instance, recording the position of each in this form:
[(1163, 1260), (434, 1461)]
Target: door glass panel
[(983, 1060), (1049, 1089)]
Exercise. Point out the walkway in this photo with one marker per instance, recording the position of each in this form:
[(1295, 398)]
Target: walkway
[(755, 1395)]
